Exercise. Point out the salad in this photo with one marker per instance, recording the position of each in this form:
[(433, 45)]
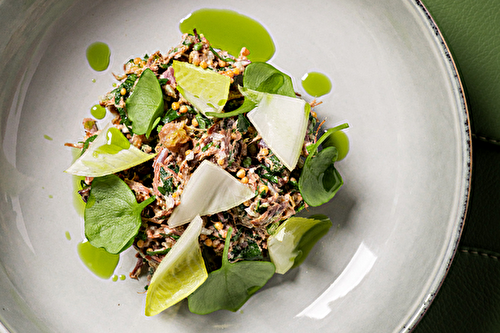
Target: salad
[(202, 171)]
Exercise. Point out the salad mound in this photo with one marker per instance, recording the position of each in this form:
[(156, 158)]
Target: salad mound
[(201, 135)]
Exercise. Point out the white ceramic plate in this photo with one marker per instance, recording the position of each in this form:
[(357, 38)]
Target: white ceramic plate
[(399, 214)]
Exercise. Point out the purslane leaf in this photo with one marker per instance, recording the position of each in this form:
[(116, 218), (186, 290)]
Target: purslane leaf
[(230, 286), (145, 104), (112, 215)]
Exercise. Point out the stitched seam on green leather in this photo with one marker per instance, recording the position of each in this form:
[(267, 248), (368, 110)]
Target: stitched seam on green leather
[(483, 138), (481, 253)]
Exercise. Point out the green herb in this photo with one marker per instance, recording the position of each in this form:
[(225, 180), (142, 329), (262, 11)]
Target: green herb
[(168, 183), (243, 123), (145, 104), (251, 252), (198, 46), (176, 237), (157, 252), (319, 180), (87, 143), (208, 145), (203, 122), (230, 286), (124, 119), (127, 84), (163, 82), (219, 56), (169, 116), (112, 214), (247, 161)]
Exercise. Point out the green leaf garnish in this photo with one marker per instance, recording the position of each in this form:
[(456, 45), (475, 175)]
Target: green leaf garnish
[(230, 286), (319, 180), (112, 214), (145, 104)]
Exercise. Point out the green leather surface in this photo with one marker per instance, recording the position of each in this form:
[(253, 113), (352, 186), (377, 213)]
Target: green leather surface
[(472, 30), (469, 300)]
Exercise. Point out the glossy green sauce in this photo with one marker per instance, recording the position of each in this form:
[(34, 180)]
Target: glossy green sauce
[(122, 277), (116, 143), (98, 55), (316, 84), (98, 261), (114, 278), (339, 140), (67, 234), (230, 30), (97, 111), (47, 137)]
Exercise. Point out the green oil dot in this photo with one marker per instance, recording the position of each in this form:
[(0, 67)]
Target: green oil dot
[(114, 278), (47, 137), (68, 236), (114, 84), (98, 111), (316, 84), (93, 81), (98, 55), (122, 277), (230, 30), (97, 260), (51, 196), (339, 140)]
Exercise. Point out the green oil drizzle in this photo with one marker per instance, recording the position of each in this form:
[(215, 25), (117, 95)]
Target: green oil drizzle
[(316, 84), (229, 30), (339, 140), (51, 196), (68, 236), (116, 143), (98, 111), (98, 261), (47, 137), (98, 55)]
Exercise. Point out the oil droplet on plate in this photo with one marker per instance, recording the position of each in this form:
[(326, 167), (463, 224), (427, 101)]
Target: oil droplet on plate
[(339, 140), (114, 278), (68, 236), (97, 260), (98, 111), (316, 84), (47, 137), (122, 277), (231, 31), (98, 55)]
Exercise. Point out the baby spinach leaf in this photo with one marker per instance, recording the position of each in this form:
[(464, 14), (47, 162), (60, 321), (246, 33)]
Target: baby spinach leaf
[(263, 77), (112, 214), (230, 286), (145, 104), (319, 180)]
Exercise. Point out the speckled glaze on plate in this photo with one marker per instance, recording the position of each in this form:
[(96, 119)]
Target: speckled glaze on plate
[(398, 217)]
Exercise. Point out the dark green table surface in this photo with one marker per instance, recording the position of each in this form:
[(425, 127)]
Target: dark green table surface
[(469, 300)]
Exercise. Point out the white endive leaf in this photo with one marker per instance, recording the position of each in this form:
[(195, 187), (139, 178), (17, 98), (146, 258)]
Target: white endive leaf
[(210, 190), (282, 123), (109, 153)]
